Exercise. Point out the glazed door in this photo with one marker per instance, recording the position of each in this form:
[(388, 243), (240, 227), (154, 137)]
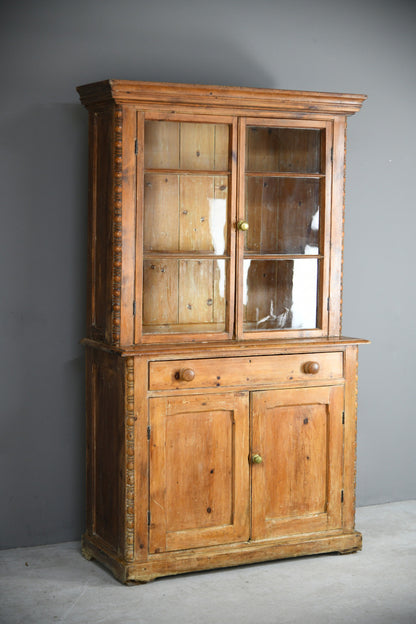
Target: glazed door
[(185, 240), (297, 447), (284, 228), (199, 474)]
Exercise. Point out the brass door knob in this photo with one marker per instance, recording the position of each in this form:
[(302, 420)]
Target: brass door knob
[(256, 459), (242, 225), (311, 368), (186, 374)]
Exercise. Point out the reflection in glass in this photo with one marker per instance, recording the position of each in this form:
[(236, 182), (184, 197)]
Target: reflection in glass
[(283, 214), (280, 294), (185, 213), (184, 295), (217, 223)]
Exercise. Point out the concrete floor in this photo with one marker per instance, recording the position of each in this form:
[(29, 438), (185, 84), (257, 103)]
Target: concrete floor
[(51, 584)]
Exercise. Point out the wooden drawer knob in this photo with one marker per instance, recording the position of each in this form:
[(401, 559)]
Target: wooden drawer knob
[(311, 368), (185, 374)]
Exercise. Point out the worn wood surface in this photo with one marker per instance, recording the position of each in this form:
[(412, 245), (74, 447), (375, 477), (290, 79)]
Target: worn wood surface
[(105, 444), (219, 98), (350, 436), (305, 483), (199, 475), (285, 162), (221, 396), (297, 486), (100, 225), (194, 560), (254, 371)]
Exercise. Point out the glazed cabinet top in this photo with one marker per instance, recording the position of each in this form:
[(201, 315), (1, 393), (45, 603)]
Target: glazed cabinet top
[(215, 213)]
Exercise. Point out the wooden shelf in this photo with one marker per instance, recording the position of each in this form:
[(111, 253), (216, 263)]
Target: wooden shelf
[(281, 174), (254, 256), (182, 255), (188, 172)]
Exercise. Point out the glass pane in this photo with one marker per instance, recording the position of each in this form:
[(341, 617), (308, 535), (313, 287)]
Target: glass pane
[(184, 145), (185, 213), (283, 215), (280, 294), (286, 150), (184, 295)]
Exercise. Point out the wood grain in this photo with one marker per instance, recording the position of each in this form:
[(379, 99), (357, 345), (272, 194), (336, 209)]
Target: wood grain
[(298, 433), (161, 212), (218, 98), (105, 428), (186, 381), (199, 479), (255, 370)]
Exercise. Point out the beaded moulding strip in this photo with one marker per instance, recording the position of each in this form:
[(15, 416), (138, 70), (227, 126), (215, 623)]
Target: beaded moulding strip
[(117, 220), (130, 476)]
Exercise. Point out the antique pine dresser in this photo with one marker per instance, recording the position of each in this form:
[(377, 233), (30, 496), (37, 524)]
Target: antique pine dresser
[(221, 395)]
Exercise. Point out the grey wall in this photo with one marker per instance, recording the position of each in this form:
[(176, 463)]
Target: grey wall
[(47, 47)]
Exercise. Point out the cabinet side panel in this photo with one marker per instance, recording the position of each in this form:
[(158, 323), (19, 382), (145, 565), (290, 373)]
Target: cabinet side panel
[(90, 396), (100, 231), (350, 436), (106, 389), (337, 228)]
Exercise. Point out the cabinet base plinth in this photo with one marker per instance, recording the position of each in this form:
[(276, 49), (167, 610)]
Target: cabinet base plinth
[(181, 562)]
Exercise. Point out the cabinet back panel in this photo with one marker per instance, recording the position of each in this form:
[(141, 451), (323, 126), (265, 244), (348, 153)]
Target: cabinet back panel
[(184, 295), (283, 149), (196, 146)]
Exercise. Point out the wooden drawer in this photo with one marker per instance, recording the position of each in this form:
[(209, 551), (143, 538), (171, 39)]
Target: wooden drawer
[(258, 370)]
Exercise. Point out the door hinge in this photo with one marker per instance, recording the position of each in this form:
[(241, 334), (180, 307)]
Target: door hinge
[(134, 308), (332, 154), (327, 304), (148, 518), (343, 418), (136, 147), (148, 433), (342, 496)]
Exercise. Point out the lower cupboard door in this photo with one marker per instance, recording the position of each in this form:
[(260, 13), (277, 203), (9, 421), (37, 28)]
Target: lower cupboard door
[(199, 474), (298, 440)]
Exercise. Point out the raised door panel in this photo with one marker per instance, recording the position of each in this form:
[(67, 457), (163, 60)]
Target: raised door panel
[(297, 486), (199, 474)]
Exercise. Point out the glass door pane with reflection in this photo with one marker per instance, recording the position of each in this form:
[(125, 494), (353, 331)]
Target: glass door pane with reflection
[(284, 206), (186, 233)]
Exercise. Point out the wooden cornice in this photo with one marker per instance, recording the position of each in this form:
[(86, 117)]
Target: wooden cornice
[(229, 99)]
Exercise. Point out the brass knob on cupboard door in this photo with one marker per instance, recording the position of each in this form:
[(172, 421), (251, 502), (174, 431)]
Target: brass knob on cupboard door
[(311, 368), (186, 374), (243, 226), (256, 459)]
